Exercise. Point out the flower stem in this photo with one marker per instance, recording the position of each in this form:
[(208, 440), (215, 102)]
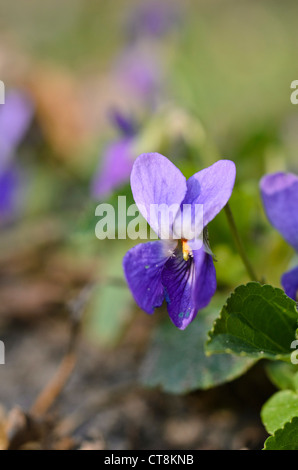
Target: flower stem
[(239, 244)]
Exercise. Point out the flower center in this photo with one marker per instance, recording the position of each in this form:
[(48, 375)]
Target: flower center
[(186, 250)]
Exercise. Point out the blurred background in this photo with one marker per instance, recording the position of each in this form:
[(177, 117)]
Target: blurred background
[(89, 86)]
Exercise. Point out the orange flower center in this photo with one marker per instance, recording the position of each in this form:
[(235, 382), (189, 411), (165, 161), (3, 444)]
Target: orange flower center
[(186, 250)]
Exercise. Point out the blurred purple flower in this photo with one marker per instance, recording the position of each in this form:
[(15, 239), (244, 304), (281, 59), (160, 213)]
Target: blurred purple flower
[(170, 270), (15, 118), (153, 18), (117, 159), (139, 72), (280, 198), (124, 124), (9, 186)]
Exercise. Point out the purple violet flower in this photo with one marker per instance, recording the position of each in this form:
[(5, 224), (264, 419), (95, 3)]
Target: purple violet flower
[(173, 270), (9, 192), (280, 198), (117, 159), (139, 72), (15, 119), (153, 18)]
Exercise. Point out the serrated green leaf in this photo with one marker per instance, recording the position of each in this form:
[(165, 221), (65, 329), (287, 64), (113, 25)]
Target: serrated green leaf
[(177, 363), (281, 408), (285, 438), (283, 375), (257, 321)]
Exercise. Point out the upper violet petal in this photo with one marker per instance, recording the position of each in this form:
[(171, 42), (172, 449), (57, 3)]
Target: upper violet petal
[(290, 283), (143, 265), (211, 187), (280, 197), (205, 278), (156, 181)]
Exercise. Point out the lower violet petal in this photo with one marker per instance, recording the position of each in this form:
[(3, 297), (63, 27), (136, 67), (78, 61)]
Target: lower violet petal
[(143, 265), (205, 278), (178, 278)]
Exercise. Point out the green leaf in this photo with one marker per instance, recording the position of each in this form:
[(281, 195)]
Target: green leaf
[(283, 375), (176, 360), (279, 409), (285, 438), (257, 321)]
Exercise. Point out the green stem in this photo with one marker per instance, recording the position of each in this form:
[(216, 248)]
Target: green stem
[(239, 244)]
